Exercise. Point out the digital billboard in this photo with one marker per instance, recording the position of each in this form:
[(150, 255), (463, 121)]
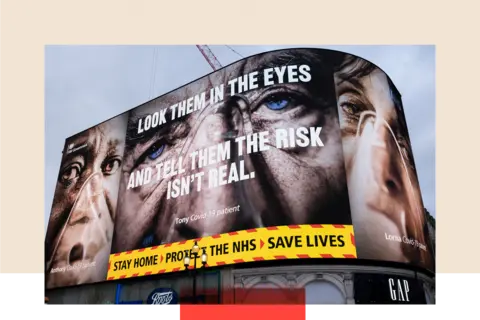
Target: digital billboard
[(80, 228), (290, 154), (385, 201)]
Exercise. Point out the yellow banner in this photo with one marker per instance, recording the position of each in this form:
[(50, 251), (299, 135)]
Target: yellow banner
[(272, 243)]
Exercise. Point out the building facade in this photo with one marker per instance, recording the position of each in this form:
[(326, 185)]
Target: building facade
[(289, 175), (317, 284)]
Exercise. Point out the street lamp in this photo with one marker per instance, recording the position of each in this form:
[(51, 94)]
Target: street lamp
[(194, 255), (204, 258)]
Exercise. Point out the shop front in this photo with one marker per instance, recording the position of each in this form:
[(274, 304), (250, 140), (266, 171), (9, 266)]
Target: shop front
[(341, 284), (299, 284), (177, 288)]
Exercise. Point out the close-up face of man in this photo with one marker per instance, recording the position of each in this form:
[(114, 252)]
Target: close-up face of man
[(384, 193), (295, 185), (80, 229)]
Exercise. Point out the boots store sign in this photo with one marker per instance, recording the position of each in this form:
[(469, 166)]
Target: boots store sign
[(386, 289), (162, 296)]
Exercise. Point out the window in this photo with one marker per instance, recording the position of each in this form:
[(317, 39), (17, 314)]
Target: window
[(323, 292)]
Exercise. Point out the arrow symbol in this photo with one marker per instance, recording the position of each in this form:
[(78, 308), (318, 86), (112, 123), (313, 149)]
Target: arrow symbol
[(261, 244), (161, 258)]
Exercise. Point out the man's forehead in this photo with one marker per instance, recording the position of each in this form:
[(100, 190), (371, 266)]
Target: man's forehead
[(80, 138), (255, 64), (221, 77), (183, 93), (105, 133), (283, 58)]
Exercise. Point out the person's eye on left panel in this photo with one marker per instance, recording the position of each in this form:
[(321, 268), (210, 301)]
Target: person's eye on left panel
[(70, 173), (111, 165)]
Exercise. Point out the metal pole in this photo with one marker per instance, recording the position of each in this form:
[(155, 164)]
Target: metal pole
[(194, 278)]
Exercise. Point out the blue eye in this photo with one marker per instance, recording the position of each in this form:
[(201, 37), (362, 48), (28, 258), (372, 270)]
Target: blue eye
[(156, 152), (277, 104)]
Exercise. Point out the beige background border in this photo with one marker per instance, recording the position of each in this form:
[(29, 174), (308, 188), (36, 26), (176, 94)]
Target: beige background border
[(27, 26)]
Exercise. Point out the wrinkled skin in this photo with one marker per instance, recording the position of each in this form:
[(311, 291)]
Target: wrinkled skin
[(291, 186), (383, 187), (81, 223)]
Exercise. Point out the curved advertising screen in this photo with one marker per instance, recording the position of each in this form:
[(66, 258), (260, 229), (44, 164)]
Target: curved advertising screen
[(290, 154)]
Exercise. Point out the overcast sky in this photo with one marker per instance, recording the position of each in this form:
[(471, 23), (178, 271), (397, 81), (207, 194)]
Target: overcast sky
[(85, 85)]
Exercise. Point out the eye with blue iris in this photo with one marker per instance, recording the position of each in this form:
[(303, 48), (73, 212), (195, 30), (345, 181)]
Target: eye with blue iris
[(277, 103), (156, 151)]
